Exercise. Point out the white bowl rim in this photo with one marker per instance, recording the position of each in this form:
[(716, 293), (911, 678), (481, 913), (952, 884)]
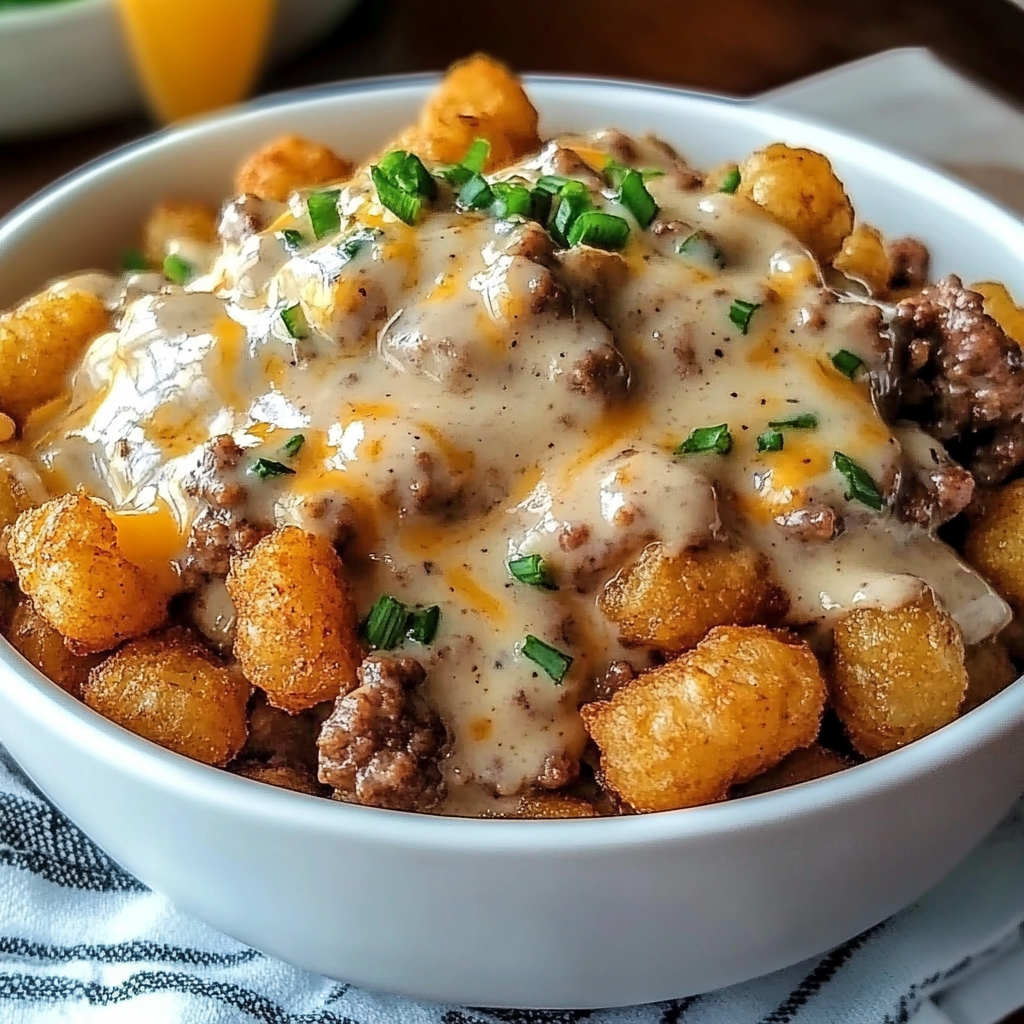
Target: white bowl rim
[(215, 787)]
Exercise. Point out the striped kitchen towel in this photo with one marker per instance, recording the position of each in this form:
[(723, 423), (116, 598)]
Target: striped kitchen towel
[(82, 941)]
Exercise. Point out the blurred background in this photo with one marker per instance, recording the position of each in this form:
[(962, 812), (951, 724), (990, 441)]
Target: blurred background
[(734, 46)]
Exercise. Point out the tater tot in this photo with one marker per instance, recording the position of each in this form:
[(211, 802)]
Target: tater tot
[(289, 163), (283, 776), (994, 544), (671, 601), (897, 674), (999, 304), (20, 490), (799, 189), (478, 98), (42, 646), (175, 221), (989, 671), (170, 689), (813, 762), (68, 561), (682, 734), (40, 340), (864, 258), (296, 634), (553, 805)]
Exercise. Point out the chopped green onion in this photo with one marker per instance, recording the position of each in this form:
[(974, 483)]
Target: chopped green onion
[(601, 230), (295, 322), (294, 445), (730, 182), (805, 421), (700, 247), (552, 661), (532, 570), (476, 194), (862, 487), (421, 625), (455, 174), (406, 170), (540, 205), (511, 200), (847, 363), (614, 171), (264, 468), (770, 441), (293, 239), (566, 207), (178, 269), (476, 156), (322, 208), (404, 206), (553, 183), (634, 197), (356, 243), (385, 625), (133, 260), (741, 311), (650, 173), (707, 439)]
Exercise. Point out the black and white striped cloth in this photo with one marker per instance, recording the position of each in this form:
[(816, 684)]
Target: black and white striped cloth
[(82, 941)]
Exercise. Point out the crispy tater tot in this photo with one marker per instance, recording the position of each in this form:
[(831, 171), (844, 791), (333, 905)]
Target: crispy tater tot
[(39, 343), (177, 220), (994, 544), (799, 189), (478, 98), (999, 304), (671, 601), (170, 689), (282, 776), (813, 762), (554, 805), (289, 163), (296, 631), (41, 645), (8, 428), (989, 671), (864, 258), (68, 561), (897, 674), (20, 490), (682, 734)]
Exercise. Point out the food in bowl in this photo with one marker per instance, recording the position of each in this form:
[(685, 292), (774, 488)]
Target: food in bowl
[(518, 479)]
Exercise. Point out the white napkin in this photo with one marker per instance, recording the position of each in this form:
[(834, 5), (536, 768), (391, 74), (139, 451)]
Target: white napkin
[(82, 941)]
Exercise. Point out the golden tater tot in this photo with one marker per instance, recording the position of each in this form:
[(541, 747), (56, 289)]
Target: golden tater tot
[(994, 544), (282, 776), (864, 258), (41, 645), (68, 561), (671, 601), (553, 805), (813, 762), (39, 343), (478, 98), (999, 305), (177, 220), (989, 671), (682, 734), (289, 163), (170, 689), (296, 631), (20, 490), (8, 428), (897, 674), (799, 189)]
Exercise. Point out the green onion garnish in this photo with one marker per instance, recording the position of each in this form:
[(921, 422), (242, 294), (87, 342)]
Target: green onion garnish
[(322, 208), (455, 174), (532, 570), (476, 156), (650, 173), (293, 239), (862, 487), (384, 627), (406, 170), (553, 183), (294, 444), (476, 194), (540, 205), (847, 363), (634, 197), (700, 248), (421, 625), (707, 439), (805, 421), (730, 182), (264, 468), (601, 230), (510, 200), (356, 243), (404, 206), (770, 441), (740, 313), (133, 260), (295, 322), (178, 269), (566, 207), (552, 661)]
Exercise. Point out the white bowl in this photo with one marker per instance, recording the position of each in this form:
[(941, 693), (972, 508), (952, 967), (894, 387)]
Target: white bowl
[(66, 64), (515, 913)]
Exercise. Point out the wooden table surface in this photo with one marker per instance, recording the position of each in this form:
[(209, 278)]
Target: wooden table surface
[(735, 46)]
